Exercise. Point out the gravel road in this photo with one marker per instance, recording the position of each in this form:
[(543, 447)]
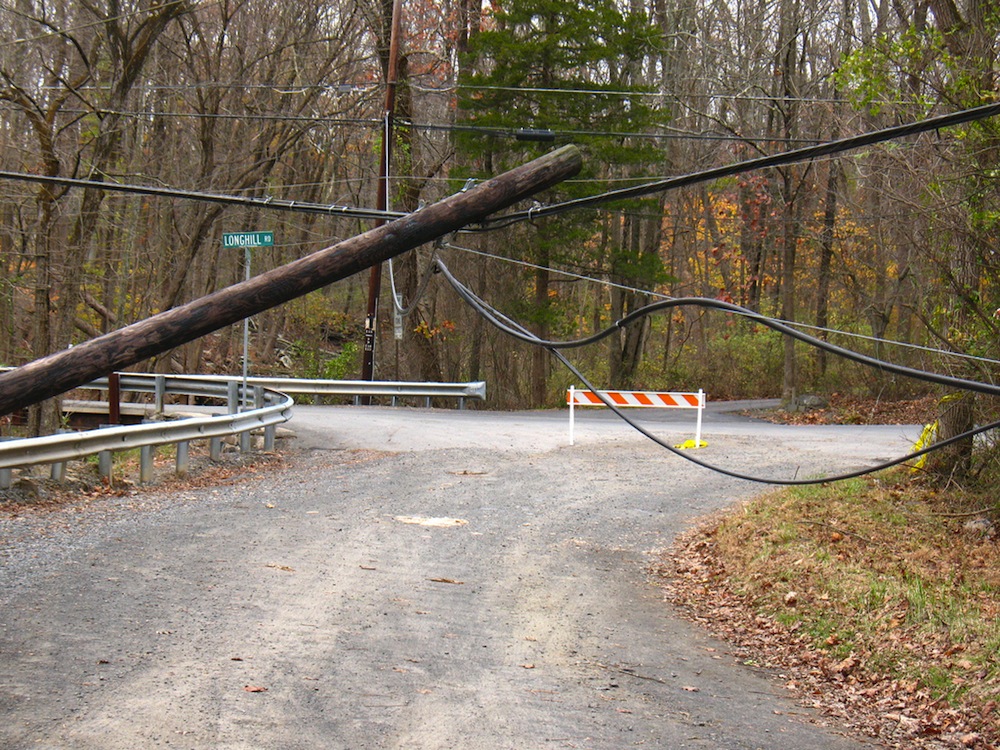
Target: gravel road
[(410, 579)]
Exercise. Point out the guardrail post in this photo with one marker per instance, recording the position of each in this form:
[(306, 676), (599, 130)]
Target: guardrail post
[(146, 464), (259, 403), (233, 397), (461, 403), (215, 448), (105, 463), (6, 475), (183, 459), (160, 392), (57, 471)]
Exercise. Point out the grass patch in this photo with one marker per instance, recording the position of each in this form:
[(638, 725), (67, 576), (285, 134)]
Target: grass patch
[(883, 588)]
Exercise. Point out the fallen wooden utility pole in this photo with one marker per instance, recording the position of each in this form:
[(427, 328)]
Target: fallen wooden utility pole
[(71, 368)]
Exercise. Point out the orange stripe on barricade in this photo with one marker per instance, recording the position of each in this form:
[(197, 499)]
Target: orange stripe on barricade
[(634, 398), (641, 399)]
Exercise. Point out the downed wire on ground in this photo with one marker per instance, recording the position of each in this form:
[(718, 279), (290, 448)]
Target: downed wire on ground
[(511, 328)]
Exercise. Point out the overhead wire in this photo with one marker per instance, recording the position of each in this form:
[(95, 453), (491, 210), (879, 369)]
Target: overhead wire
[(627, 93), (537, 212), (708, 303), (763, 162), (269, 202), (406, 310), (301, 206), (561, 272), (496, 132), (515, 330), (281, 88), (352, 86), (555, 347), (639, 290), (245, 116), (558, 134)]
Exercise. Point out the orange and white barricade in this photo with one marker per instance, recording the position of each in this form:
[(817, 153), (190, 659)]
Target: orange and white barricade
[(647, 399)]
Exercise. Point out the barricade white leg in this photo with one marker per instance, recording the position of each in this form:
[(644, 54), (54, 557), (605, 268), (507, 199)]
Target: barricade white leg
[(701, 408), (571, 402)]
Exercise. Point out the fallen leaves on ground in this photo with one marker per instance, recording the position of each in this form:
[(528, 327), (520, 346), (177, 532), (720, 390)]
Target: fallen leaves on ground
[(901, 712), (847, 409)]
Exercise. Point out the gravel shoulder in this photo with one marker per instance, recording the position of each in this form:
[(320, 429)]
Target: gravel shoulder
[(486, 591)]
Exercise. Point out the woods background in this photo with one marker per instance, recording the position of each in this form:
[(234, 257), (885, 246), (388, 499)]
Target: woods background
[(893, 242)]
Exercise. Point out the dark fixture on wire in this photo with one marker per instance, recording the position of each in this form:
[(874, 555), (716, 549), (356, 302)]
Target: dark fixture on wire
[(534, 134)]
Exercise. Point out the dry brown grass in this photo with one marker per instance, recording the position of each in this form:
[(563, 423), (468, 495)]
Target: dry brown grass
[(879, 600)]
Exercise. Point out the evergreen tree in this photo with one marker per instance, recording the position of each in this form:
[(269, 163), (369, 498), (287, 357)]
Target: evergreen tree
[(561, 70)]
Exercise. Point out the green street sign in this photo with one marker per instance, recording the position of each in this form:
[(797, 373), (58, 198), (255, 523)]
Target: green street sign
[(247, 239)]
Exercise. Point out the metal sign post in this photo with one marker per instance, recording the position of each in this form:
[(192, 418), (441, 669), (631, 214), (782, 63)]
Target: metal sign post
[(246, 240)]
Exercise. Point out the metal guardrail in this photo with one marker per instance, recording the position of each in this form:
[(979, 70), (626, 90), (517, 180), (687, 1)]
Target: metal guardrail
[(272, 405), (358, 388), (270, 408)]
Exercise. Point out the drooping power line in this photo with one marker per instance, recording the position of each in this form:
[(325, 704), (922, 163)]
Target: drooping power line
[(764, 162), (268, 202)]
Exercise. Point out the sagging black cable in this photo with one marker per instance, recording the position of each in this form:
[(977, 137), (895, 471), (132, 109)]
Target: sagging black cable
[(511, 328), (764, 480), (786, 157), (406, 311), (946, 380)]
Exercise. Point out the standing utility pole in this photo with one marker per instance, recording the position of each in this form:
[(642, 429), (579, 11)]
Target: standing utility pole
[(375, 275)]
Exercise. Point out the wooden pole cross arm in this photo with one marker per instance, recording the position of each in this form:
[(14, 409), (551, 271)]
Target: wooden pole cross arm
[(71, 368)]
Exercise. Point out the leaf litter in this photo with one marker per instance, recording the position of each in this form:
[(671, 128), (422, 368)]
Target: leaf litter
[(893, 628)]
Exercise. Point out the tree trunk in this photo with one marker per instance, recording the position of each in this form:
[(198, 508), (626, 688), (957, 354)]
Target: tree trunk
[(539, 356), (957, 416), (826, 260), (789, 368)]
